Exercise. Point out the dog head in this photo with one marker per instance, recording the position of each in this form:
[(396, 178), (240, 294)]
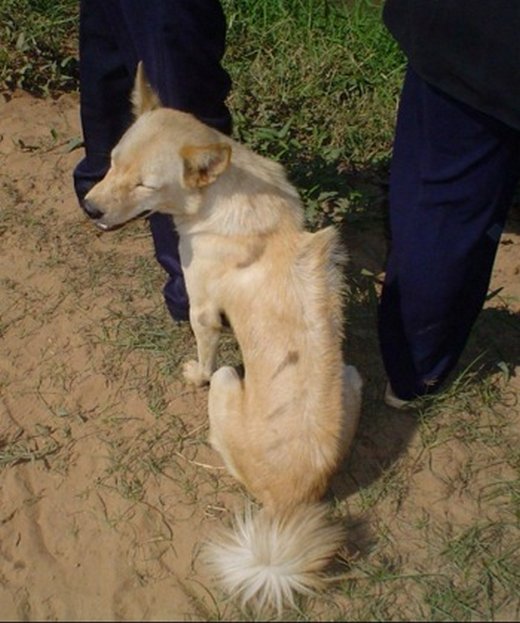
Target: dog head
[(163, 163)]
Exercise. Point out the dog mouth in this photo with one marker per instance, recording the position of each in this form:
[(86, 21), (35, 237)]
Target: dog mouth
[(105, 227)]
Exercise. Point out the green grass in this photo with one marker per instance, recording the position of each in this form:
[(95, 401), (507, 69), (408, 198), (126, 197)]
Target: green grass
[(313, 78), (39, 45), (315, 86)]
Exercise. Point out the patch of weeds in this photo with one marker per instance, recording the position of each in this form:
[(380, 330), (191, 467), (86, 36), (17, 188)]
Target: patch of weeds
[(37, 447), (379, 589), (210, 605), (150, 278), (315, 86), (39, 50), (166, 450), (392, 485), (152, 332), (482, 576), (469, 409), (228, 350), (504, 493)]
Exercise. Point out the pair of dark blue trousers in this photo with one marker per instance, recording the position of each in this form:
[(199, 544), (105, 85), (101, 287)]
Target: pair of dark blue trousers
[(453, 175), (181, 43)]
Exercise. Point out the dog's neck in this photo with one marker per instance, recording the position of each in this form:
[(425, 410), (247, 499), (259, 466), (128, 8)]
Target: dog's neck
[(245, 200)]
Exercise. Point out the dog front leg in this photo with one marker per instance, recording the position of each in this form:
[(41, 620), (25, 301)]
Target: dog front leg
[(206, 325)]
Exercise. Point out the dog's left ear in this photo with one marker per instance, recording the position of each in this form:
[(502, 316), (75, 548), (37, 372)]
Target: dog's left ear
[(202, 165), (144, 98)]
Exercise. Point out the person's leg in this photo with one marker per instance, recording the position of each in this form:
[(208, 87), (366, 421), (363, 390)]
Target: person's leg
[(105, 86), (181, 43), (453, 175), (166, 245)]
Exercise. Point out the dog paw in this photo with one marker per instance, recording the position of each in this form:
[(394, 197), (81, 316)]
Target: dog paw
[(194, 374)]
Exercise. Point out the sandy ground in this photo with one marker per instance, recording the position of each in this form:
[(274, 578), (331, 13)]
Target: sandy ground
[(71, 547), (89, 529)]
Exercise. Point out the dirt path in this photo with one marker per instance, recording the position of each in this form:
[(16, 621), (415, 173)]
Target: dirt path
[(107, 486)]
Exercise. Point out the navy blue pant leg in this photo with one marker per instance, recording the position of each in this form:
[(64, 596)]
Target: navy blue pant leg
[(106, 81), (453, 174), (181, 43)]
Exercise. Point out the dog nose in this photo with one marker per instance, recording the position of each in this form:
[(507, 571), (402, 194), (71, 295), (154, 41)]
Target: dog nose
[(91, 209)]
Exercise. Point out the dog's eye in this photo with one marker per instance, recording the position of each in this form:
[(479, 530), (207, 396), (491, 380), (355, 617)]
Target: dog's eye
[(143, 185)]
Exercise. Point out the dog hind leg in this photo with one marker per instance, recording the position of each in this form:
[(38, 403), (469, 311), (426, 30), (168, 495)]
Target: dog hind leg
[(352, 386), (225, 421)]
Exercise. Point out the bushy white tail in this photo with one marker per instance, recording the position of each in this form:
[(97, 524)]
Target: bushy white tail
[(265, 561)]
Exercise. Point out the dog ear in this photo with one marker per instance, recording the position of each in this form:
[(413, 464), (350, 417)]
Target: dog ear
[(202, 165), (144, 98)]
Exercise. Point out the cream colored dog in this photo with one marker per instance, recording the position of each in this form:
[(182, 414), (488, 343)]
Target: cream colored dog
[(284, 428)]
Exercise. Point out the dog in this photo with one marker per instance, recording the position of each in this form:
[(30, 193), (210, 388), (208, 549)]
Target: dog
[(284, 428)]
